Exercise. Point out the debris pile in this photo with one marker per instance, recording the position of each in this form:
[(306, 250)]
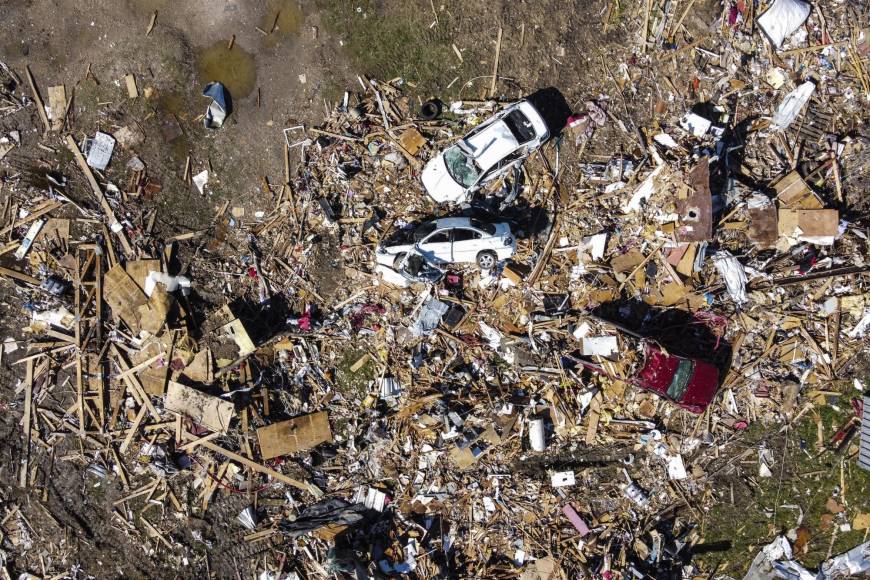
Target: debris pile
[(542, 374)]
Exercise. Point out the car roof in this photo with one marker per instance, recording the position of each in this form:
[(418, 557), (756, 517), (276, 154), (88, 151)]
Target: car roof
[(454, 222), (492, 144)]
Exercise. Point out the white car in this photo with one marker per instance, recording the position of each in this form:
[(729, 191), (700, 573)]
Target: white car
[(451, 241), (491, 149)]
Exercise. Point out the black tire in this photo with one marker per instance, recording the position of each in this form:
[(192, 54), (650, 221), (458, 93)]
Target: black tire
[(487, 260), (430, 110)]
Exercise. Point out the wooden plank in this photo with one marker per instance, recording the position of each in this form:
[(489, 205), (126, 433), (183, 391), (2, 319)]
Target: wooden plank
[(28, 403), (37, 213), (305, 486), (133, 428), (594, 418), (144, 490), (95, 188), (141, 365), (121, 472), (192, 444), (132, 90), (57, 104), (495, 63), (40, 106), (133, 383), (19, 276)]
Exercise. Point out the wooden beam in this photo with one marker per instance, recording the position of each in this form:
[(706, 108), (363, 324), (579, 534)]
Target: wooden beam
[(20, 276), (133, 428), (195, 442), (140, 366)]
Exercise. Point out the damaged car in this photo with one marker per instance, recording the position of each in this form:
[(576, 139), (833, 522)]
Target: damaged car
[(685, 381), (420, 252), (490, 150)]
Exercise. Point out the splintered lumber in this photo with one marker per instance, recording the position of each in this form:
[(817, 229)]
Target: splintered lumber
[(95, 188), (35, 214), (310, 488), (133, 383), (133, 429)]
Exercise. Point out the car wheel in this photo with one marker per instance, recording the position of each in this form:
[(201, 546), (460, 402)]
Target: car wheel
[(397, 261), (487, 260)]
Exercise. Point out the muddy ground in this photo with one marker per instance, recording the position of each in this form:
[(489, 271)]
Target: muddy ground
[(299, 62)]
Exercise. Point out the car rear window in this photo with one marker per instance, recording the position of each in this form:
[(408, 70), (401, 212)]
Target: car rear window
[(681, 379), (484, 227), (464, 235), (423, 231), (520, 126)]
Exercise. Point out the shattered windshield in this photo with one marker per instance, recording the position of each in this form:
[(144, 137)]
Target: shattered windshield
[(461, 167)]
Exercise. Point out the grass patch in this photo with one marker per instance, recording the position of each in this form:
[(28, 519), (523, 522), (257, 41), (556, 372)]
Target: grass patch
[(809, 479), (394, 39), (350, 384)]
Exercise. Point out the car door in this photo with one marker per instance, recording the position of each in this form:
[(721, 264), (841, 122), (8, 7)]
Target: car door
[(466, 244), (437, 246), (502, 166)]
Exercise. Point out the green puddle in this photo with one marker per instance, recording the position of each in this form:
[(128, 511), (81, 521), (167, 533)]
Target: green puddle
[(234, 67)]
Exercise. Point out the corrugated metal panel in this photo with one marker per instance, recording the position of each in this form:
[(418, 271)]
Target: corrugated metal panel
[(864, 452)]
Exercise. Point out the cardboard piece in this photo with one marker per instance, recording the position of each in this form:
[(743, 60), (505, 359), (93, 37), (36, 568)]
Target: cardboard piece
[(154, 376), (236, 330), (696, 211), (686, 265), (626, 262), (129, 303), (153, 314), (209, 411), (293, 435), (201, 368), (412, 140)]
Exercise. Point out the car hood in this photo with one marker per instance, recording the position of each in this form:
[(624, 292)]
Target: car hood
[(439, 185)]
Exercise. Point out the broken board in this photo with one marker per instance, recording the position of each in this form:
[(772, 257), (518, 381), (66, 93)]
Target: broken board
[(298, 434), (211, 412), (123, 296), (818, 226), (696, 211)]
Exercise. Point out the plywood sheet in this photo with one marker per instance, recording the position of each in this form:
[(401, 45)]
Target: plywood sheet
[(298, 434)]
